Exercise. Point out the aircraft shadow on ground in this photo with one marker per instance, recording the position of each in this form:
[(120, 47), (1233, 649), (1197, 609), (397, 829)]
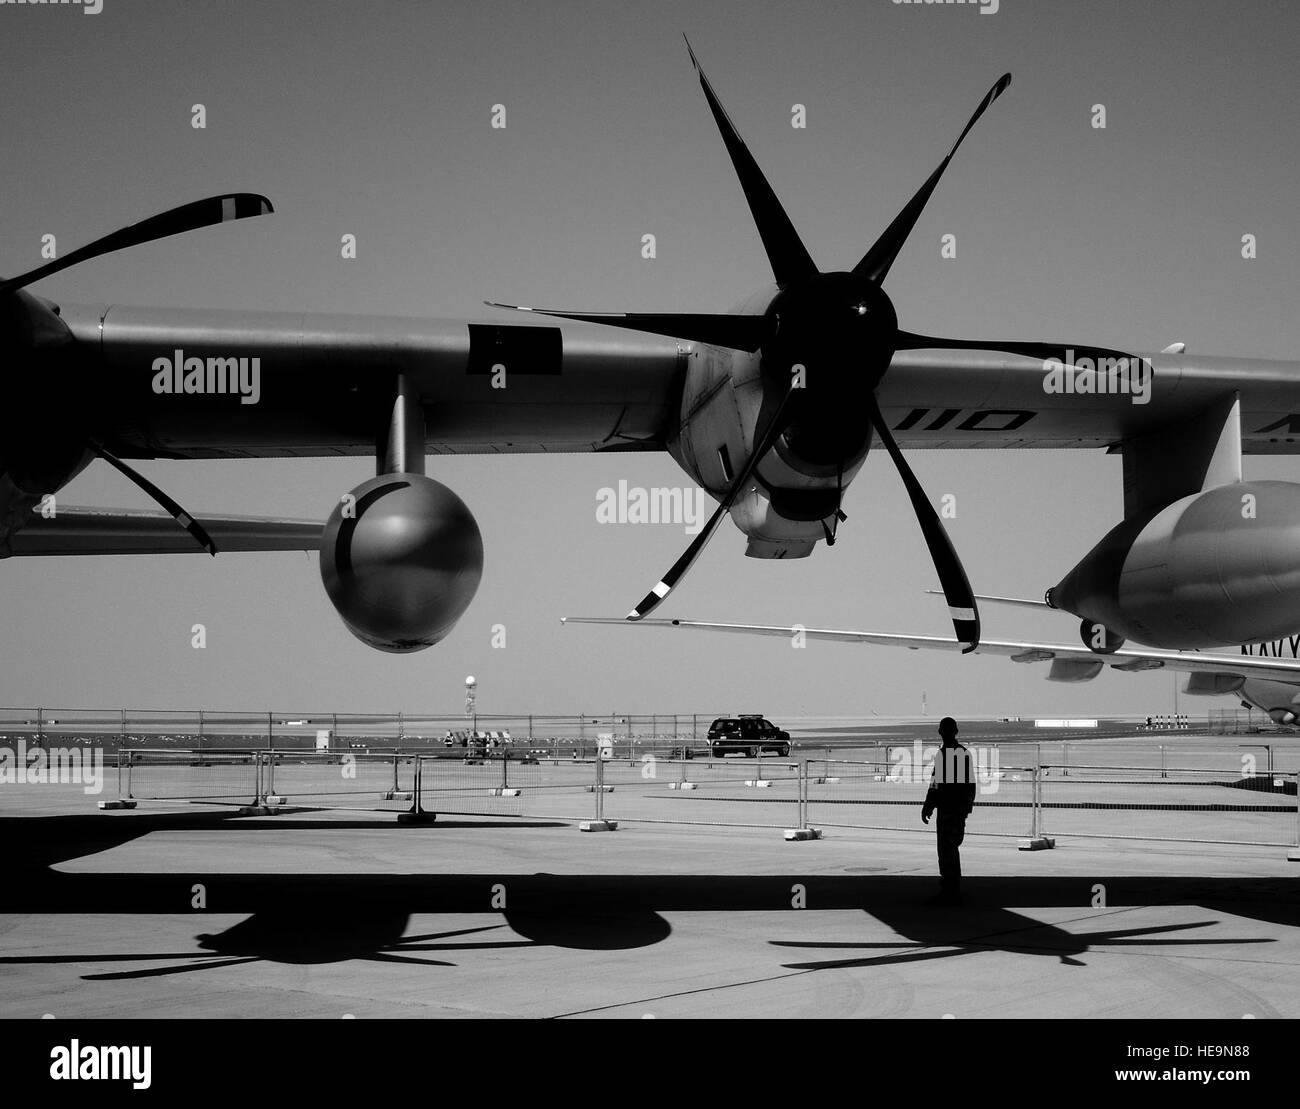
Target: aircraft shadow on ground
[(328, 918)]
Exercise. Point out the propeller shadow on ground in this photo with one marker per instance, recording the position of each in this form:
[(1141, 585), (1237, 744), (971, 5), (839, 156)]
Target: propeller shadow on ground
[(930, 936), (323, 918), (309, 939)]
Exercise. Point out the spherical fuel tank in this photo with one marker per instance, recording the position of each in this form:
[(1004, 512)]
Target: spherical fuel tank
[(401, 558)]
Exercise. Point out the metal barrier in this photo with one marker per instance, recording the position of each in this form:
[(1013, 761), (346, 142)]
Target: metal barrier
[(762, 792), (266, 778), (888, 796), (1124, 802), (1152, 799)]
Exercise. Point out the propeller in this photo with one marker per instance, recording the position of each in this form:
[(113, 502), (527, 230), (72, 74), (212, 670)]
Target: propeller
[(737, 332), (875, 264), (174, 221), (178, 513), (222, 208), (843, 327), (776, 425), (789, 258), (952, 575)]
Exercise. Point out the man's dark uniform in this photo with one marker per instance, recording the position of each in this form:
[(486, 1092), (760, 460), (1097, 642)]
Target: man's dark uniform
[(952, 796)]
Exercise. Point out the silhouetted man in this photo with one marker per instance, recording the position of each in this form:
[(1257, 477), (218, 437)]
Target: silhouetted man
[(952, 796)]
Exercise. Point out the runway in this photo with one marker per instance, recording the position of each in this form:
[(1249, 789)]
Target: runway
[(177, 912)]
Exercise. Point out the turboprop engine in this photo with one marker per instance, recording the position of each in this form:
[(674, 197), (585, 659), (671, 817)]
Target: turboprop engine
[(401, 558), (1219, 567)]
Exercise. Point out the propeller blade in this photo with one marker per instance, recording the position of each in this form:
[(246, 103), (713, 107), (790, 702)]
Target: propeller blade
[(175, 221), (178, 513), (746, 333), (1066, 355), (876, 262), (785, 251), (952, 576), (669, 581)]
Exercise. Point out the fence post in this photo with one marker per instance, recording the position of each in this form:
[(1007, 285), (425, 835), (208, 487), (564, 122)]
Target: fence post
[(600, 786), (505, 769), (1294, 853), (1035, 818)]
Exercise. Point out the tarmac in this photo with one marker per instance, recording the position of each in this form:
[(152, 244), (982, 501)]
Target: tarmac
[(185, 911)]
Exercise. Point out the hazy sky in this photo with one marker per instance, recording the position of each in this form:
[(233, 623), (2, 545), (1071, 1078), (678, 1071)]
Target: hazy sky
[(375, 120)]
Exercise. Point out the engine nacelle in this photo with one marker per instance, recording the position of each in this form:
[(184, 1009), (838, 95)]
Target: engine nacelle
[(1218, 568), (401, 559), (1098, 637)]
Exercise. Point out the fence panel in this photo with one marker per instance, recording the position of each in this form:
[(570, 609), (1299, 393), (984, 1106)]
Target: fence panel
[(219, 778), (1173, 803), (889, 796), (738, 792)]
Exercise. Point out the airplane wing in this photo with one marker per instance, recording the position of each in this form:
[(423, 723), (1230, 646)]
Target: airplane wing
[(322, 381), (97, 531), (1068, 664), (289, 384)]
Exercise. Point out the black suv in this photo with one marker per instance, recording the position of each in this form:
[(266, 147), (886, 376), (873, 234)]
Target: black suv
[(750, 735)]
